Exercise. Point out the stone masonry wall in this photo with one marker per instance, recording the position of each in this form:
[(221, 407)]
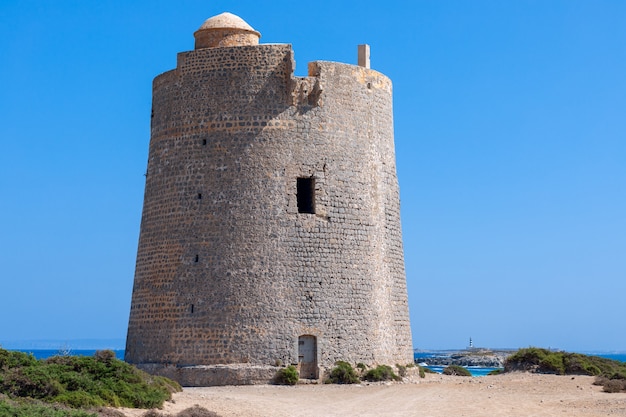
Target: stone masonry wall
[(228, 270)]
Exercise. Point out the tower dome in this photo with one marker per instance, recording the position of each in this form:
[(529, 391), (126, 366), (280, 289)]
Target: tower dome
[(225, 29)]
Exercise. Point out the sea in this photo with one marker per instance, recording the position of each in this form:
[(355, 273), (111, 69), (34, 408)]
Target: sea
[(47, 353), (476, 371)]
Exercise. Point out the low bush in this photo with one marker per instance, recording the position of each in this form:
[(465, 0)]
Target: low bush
[(287, 376), (610, 385), (80, 399), (496, 371), (81, 381), (401, 370), (30, 409), (423, 370), (600, 380), (381, 373), (614, 385), (564, 363), (342, 373), (456, 370), (195, 411), (428, 370)]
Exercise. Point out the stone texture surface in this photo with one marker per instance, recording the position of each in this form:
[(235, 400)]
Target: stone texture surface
[(228, 271), (215, 375)]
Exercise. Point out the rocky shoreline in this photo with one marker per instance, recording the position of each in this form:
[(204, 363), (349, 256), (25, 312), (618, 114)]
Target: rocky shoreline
[(478, 358)]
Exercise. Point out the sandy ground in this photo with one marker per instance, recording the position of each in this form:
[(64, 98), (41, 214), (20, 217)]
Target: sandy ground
[(511, 395)]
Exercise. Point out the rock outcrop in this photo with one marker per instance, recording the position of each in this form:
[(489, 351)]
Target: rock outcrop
[(485, 359)]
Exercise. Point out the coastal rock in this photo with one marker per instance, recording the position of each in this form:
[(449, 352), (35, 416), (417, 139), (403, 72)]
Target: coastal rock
[(474, 359)]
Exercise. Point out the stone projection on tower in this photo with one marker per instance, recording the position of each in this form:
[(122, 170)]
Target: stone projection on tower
[(270, 231)]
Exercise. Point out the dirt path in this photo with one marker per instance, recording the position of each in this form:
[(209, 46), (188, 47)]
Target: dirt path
[(510, 395)]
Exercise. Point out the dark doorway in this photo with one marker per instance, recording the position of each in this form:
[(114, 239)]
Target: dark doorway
[(307, 356)]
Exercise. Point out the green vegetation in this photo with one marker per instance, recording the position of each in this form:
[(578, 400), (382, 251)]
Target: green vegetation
[(10, 408), (611, 385), (611, 374), (456, 370), (343, 373), (195, 411), (287, 376), (424, 370), (381, 373), (80, 381)]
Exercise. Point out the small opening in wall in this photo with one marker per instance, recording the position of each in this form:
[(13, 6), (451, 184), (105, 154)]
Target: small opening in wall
[(199, 196), (306, 195), (197, 258), (203, 142), (192, 309)]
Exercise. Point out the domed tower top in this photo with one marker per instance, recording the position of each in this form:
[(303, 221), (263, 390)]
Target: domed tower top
[(225, 29)]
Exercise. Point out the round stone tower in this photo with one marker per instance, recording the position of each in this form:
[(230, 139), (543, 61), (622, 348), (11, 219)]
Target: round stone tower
[(270, 231)]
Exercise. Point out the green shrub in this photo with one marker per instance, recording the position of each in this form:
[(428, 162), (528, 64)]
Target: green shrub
[(12, 359), (105, 356), (342, 373), (80, 381), (80, 399), (614, 385), (361, 366), (600, 380), (423, 370), (381, 373), (456, 370), (611, 385), (563, 363), (197, 411), (153, 413), (26, 409), (496, 372), (401, 370), (287, 376)]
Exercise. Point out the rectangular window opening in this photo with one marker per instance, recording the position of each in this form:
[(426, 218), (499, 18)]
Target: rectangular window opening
[(306, 195)]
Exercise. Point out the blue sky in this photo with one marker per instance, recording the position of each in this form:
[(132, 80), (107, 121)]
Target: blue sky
[(510, 136)]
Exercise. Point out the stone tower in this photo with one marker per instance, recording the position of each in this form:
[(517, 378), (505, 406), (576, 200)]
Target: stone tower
[(270, 231)]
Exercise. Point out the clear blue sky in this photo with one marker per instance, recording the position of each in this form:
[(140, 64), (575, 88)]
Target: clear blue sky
[(510, 121)]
